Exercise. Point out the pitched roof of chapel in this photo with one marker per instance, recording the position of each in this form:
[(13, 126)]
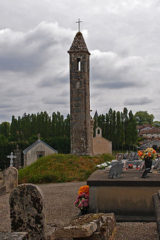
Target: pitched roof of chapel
[(35, 143), (78, 44)]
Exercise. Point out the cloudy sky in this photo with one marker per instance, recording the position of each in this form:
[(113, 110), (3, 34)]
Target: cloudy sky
[(123, 38)]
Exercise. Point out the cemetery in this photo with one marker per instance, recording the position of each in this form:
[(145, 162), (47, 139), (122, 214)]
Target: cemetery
[(124, 197), (126, 190)]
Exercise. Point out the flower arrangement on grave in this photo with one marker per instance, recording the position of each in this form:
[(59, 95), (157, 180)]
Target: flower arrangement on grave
[(149, 153), (130, 165), (82, 201)]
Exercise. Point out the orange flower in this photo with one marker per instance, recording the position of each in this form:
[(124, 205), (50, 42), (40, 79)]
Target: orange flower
[(83, 189), (140, 153), (149, 154), (154, 151)]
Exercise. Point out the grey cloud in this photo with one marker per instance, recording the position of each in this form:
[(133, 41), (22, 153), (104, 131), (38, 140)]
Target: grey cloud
[(116, 85), (138, 101), (113, 71), (126, 34), (29, 52), (5, 106), (53, 81), (55, 101)]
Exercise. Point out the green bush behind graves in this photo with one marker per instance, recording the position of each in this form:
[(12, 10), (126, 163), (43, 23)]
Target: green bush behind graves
[(61, 168)]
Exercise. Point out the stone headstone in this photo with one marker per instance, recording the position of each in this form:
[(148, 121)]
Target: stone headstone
[(27, 211), (119, 156), (157, 165), (10, 176), (116, 170), (125, 156)]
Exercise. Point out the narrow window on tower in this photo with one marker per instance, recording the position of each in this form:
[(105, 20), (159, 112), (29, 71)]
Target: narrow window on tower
[(78, 64)]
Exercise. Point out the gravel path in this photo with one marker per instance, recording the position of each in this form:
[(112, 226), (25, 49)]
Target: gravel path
[(59, 207)]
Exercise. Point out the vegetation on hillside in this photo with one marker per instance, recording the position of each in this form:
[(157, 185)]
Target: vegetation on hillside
[(143, 117), (118, 127), (61, 168)]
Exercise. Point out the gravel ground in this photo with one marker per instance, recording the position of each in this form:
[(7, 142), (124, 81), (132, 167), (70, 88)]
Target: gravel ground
[(59, 210)]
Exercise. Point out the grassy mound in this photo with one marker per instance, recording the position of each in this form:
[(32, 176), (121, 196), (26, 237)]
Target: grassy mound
[(61, 168)]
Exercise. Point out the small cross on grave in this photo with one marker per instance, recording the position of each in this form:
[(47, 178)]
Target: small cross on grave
[(11, 156), (79, 24)]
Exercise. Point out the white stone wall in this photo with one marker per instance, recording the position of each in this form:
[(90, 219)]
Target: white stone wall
[(31, 155)]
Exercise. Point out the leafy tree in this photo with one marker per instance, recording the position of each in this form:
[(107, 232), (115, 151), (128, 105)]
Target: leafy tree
[(5, 129), (143, 117)]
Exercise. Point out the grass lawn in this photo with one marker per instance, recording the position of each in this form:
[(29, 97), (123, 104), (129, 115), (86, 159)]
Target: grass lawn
[(61, 168)]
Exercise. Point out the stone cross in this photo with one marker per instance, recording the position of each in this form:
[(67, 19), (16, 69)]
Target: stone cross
[(79, 24), (11, 159)]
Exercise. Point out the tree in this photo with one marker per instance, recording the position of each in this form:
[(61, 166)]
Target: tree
[(143, 117), (5, 129)]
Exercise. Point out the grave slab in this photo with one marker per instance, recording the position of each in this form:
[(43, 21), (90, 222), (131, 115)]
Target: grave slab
[(90, 226), (14, 236), (129, 197)]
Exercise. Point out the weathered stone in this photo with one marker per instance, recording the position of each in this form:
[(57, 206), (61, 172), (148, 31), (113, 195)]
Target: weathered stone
[(27, 211), (116, 170), (90, 226), (156, 203), (14, 236), (80, 123), (2, 190), (10, 176), (76, 231), (17, 161)]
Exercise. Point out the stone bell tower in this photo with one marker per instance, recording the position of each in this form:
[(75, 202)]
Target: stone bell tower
[(80, 123)]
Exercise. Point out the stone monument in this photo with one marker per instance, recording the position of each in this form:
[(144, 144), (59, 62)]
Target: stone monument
[(27, 211), (80, 123), (10, 177)]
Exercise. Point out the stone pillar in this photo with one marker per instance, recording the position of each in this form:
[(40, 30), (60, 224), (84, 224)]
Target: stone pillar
[(27, 211), (17, 161), (80, 129)]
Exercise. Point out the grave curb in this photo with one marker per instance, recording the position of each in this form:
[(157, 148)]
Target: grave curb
[(156, 203)]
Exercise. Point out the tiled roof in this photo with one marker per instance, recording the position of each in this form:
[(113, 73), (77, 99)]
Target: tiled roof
[(35, 143), (78, 44), (150, 131)]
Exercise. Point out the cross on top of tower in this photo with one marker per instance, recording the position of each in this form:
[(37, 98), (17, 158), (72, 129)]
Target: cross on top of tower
[(79, 24)]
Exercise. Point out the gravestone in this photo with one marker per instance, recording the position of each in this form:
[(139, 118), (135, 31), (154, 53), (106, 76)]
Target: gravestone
[(27, 211), (116, 170), (10, 176), (119, 156), (125, 156), (157, 165)]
